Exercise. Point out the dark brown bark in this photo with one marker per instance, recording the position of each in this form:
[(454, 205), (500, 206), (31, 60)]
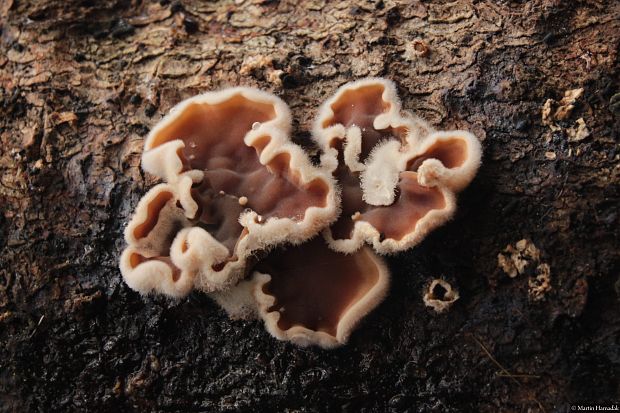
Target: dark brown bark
[(82, 82)]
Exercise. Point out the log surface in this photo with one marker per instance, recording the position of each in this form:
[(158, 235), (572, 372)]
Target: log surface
[(81, 84)]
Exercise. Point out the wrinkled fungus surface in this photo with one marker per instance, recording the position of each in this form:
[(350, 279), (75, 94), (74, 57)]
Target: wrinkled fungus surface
[(398, 176), (236, 187), (235, 184)]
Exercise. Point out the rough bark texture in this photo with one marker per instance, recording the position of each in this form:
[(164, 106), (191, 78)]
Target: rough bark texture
[(82, 82)]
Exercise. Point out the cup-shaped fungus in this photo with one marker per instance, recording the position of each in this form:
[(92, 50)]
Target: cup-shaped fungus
[(235, 184), (440, 295), (398, 176), (147, 263), (236, 187), (309, 294)]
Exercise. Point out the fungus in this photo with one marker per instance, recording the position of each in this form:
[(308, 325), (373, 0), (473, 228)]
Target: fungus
[(525, 257), (420, 48), (578, 132), (440, 295), (235, 184), (539, 284), (515, 259), (309, 294), (147, 264), (554, 111), (236, 189), (389, 164)]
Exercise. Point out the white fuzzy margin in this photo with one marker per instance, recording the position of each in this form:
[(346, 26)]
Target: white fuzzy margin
[(202, 250), (379, 175)]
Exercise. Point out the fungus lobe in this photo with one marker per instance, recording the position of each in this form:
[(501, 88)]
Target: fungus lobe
[(235, 184), (310, 294), (389, 164)]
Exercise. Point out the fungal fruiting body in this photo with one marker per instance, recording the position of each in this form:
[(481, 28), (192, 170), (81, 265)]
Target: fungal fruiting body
[(310, 294), (236, 187), (398, 176), (236, 184), (440, 295)]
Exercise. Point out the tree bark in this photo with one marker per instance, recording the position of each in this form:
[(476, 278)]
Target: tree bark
[(81, 84)]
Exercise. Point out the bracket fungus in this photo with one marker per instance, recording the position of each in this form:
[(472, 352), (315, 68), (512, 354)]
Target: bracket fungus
[(389, 164), (239, 203)]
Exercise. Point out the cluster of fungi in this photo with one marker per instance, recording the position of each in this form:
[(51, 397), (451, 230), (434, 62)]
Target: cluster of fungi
[(245, 215)]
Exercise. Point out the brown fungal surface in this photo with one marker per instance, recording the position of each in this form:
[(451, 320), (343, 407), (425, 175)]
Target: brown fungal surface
[(236, 184), (398, 177), (236, 187), (309, 294)]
